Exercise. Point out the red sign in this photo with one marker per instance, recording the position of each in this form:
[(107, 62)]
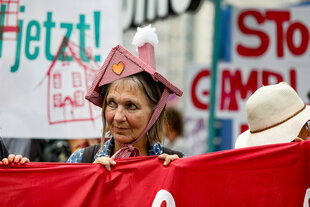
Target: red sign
[(272, 175)]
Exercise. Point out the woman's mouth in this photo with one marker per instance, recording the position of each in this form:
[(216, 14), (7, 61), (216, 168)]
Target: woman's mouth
[(120, 129)]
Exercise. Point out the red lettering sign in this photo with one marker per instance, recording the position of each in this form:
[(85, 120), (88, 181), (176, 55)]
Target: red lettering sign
[(236, 87), (195, 97), (279, 17), (264, 39)]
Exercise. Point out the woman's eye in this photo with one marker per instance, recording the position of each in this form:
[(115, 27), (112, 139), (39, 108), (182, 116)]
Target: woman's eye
[(111, 104), (132, 106)]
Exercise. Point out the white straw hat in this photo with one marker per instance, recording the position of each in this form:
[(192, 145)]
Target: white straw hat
[(275, 114)]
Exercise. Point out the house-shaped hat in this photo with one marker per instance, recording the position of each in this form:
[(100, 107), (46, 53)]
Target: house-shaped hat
[(121, 63)]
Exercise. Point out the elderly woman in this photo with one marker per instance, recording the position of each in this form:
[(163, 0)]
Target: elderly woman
[(133, 97)]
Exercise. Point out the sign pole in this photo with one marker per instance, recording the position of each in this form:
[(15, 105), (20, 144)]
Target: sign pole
[(215, 57)]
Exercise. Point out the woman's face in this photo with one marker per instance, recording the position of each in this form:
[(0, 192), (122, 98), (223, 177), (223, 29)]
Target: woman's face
[(127, 112)]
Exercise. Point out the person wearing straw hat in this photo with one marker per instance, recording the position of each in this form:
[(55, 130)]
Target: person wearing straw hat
[(133, 96), (275, 114)]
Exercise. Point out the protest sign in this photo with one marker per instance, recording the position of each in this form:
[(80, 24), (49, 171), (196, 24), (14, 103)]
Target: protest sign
[(49, 54), (266, 46)]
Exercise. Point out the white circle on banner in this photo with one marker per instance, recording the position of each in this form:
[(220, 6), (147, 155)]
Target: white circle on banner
[(161, 196)]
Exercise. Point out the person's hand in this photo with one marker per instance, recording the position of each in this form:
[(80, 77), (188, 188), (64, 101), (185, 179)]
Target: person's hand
[(106, 162), (168, 158), (15, 159)]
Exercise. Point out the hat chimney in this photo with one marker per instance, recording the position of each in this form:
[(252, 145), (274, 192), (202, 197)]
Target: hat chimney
[(145, 40)]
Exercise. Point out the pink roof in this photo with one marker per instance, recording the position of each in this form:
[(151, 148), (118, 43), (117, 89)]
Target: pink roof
[(121, 63)]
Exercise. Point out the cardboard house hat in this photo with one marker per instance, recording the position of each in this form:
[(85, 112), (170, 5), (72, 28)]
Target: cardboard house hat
[(121, 63), (275, 114)]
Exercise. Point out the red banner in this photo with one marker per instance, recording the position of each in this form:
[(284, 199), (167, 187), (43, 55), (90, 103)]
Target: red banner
[(273, 175)]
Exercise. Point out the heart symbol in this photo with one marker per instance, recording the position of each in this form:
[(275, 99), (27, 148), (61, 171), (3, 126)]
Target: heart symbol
[(118, 68)]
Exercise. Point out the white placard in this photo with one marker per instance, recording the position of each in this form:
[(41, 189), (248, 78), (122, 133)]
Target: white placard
[(196, 96), (268, 46), (44, 78)]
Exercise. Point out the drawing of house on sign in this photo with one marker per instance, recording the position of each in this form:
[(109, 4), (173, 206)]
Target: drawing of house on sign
[(9, 11), (68, 82)]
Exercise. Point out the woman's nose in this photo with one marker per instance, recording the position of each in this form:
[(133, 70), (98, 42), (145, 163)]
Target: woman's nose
[(120, 114)]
